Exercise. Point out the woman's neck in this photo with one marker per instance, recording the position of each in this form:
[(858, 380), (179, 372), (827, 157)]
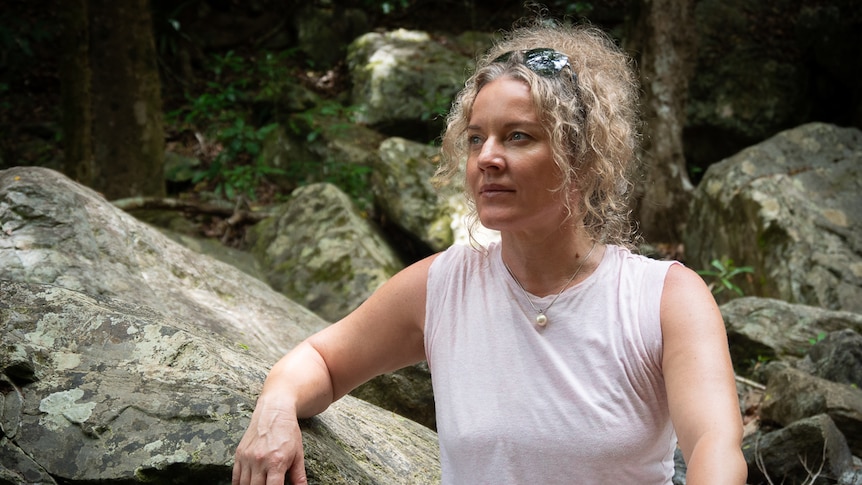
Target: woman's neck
[(543, 265)]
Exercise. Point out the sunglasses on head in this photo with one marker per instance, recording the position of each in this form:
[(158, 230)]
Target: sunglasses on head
[(543, 61)]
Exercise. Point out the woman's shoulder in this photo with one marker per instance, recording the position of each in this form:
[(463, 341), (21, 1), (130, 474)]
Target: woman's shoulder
[(466, 254), (626, 256), (624, 264)]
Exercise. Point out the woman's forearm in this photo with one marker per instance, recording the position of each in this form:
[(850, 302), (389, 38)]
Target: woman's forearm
[(716, 460), (299, 380)]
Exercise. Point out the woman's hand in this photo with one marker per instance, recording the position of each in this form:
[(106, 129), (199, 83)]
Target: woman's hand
[(270, 448)]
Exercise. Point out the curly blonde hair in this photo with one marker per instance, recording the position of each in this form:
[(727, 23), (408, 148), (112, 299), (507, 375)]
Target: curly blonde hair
[(591, 119)]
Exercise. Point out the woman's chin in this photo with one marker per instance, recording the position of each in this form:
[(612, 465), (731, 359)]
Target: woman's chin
[(491, 222)]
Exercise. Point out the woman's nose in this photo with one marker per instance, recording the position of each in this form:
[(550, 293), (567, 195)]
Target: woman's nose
[(491, 155)]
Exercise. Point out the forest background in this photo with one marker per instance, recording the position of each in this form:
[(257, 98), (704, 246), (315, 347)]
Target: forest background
[(101, 90)]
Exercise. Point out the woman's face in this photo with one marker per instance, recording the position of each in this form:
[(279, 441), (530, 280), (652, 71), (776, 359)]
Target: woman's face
[(510, 167)]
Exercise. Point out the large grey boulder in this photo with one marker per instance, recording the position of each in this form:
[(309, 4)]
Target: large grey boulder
[(320, 251), (80, 276), (403, 76), (403, 190), (99, 389), (790, 208), (55, 231)]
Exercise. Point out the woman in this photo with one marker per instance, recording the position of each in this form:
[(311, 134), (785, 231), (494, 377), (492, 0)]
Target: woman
[(557, 355)]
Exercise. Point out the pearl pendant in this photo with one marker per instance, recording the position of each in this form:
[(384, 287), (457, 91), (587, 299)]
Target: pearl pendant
[(541, 320)]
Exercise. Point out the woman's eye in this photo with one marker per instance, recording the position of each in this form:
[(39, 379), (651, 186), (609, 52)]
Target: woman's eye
[(474, 140), (518, 136)]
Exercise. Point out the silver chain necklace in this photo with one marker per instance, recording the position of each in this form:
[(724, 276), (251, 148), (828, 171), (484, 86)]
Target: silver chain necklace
[(541, 313)]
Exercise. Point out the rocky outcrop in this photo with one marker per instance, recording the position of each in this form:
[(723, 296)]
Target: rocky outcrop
[(318, 250), (763, 329), (789, 208), (402, 78), (54, 231), (404, 193), (810, 450), (767, 66), (792, 395), (128, 358), (101, 389), (805, 420)]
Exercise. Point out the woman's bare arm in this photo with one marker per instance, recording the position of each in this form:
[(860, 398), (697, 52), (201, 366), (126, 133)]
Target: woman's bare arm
[(700, 382), (384, 334)]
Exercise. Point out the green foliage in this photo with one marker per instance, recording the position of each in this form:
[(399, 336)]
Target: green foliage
[(760, 361), (329, 115), (240, 141), (329, 118), (351, 178), (820, 336), (580, 9), (222, 107), (722, 275), (437, 108), (273, 72)]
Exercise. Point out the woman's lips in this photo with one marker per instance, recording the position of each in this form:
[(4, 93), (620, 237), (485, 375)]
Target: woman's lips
[(490, 190)]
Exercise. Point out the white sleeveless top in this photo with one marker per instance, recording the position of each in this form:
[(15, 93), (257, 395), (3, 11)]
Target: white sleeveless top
[(581, 400)]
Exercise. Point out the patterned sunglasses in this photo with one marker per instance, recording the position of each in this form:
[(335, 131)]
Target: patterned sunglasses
[(543, 61)]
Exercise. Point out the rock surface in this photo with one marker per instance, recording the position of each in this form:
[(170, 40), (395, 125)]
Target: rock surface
[(318, 250), (54, 231), (403, 190), (788, 207), (762, 67), (807, 449), (765, 328), (128, 358), (793, 395), (100, 389), (402, 76)]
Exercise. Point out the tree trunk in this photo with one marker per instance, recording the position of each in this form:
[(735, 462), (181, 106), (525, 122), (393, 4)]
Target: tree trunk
[(75, 75), (128, 134), (663, 35)]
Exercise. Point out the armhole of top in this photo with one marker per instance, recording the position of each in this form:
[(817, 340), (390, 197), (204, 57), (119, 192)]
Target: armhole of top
[(655, 278)]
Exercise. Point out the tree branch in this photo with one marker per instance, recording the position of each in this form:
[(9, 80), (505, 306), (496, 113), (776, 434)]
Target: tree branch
[(233, 215)]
